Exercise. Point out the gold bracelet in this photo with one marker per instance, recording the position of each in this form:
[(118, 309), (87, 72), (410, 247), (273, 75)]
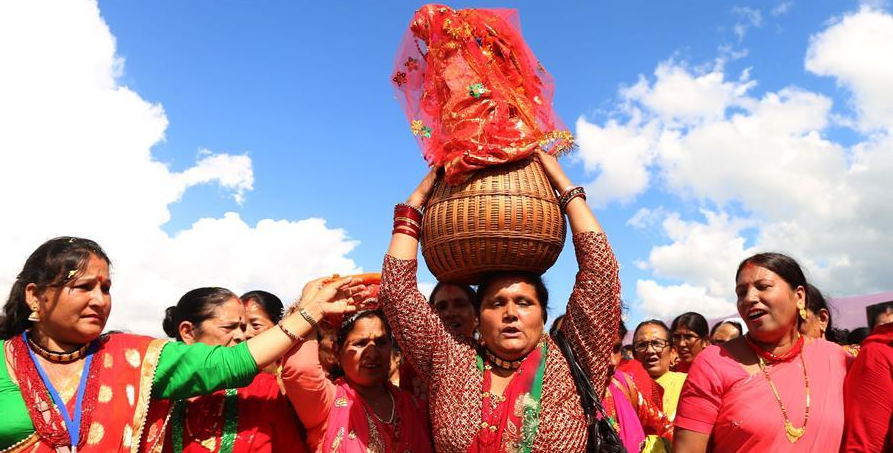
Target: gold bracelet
[(307, 317), (294, 337)]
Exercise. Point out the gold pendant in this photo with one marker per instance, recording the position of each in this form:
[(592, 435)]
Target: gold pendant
[(211, 442), (794, 434)]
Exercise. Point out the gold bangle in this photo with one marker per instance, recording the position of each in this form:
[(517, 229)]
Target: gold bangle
[(307, 317), (407, 220), (293, 336)]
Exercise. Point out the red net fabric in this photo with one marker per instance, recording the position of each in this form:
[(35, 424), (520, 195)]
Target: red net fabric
[(474, 93)]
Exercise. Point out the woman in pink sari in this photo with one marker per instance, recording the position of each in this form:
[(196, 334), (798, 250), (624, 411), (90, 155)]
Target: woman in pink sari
[(772, 390), (360, 411)]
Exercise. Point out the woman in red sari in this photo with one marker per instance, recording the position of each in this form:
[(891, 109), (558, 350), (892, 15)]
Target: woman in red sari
[(65, 386), (772, 389), (515, 392), (359, 411), (252, 419)]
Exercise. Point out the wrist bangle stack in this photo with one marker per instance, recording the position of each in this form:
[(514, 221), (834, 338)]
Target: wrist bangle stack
[(294, 337), (307, 317), (407, 220), (569, 195)]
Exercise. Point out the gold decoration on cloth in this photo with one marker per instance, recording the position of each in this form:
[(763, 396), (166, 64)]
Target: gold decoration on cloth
[(142, 405), (337, 442), (127, 437), (96, 433), (376, 442), (108, 361), (105, 394), (133, 357)]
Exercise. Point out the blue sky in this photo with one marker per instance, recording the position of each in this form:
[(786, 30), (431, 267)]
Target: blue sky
[(302, 89)]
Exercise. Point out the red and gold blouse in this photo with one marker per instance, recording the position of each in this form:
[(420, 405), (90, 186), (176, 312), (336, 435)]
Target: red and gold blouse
[(450, 369)]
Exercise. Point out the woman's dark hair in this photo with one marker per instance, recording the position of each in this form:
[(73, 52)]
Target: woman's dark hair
[(468, 290), (735, 324), (542, 294), (653, 322), (54, 264), (556, 324), (622, 330), (782, 265), (195, 306), (815, 302), (857, 336), (271, 304), (347, 327), (693, 322)]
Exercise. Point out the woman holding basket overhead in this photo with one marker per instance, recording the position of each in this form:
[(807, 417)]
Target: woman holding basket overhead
[(480, 104), (515, 390)]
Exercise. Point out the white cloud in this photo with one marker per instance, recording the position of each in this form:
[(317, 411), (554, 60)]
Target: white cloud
[(782, 8), (620, 154), (856, 52), (77, 159), (749, 18), (667, 302), (767, 158)]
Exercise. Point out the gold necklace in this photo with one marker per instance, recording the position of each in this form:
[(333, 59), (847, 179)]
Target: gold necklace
[(794, 434)]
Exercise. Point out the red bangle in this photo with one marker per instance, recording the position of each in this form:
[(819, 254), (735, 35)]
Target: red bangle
[(407, 231), (405, 210)]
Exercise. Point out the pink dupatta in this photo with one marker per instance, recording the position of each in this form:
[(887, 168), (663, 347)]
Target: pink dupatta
[(353, 428)]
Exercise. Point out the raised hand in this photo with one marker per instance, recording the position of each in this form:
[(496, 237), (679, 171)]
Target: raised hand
[(419, 196)]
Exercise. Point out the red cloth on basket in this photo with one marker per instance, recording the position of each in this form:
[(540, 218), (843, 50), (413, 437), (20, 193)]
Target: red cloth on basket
[(474, 93)]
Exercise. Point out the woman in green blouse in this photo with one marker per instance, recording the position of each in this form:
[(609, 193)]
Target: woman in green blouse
[(65, 387)]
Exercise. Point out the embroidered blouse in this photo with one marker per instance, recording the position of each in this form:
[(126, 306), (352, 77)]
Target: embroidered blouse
[(450, 369)]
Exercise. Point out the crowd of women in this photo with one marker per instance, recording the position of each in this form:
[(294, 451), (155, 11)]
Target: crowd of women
[(352, 368)]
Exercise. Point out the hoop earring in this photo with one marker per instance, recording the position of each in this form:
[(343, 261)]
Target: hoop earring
[(803, 313)]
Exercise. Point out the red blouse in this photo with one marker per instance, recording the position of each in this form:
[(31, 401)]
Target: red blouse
[(266, 421), (868, 396)]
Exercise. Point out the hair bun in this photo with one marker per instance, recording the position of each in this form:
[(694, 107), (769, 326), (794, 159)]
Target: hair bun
[(170, 322)]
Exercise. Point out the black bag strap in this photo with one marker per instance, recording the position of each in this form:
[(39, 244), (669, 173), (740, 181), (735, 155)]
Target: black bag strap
[(601, 435)]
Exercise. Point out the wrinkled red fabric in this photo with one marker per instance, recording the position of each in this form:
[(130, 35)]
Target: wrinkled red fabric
[(474, 93), (868, 396)]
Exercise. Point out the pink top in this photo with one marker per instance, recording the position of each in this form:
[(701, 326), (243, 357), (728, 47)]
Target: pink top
[(741, 414), (339, 421)]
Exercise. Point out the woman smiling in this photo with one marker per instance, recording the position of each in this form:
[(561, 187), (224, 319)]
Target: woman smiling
[(772, 389)]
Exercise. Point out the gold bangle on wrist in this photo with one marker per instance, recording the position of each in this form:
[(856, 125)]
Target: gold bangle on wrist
[(293, 336), (307, 317)]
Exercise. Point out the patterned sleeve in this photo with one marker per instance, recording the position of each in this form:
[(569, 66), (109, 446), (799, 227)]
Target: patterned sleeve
[(415, 326), (593, 312)]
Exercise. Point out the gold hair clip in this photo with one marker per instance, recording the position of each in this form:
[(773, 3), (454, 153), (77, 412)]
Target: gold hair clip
[(71, 273)]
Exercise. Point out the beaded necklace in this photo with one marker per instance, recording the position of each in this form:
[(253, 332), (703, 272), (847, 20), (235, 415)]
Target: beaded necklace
[(227, 436), (58, 357)]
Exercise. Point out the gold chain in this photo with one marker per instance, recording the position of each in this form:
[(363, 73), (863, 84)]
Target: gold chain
[(794, 434)]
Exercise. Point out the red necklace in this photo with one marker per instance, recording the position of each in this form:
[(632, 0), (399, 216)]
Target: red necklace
[(770, 357)]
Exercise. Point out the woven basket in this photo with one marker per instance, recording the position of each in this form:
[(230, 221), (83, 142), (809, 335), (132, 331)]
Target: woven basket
[(502, 219)]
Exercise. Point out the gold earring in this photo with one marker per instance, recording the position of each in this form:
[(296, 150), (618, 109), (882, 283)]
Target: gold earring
[(803, 313), (34, 317)]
